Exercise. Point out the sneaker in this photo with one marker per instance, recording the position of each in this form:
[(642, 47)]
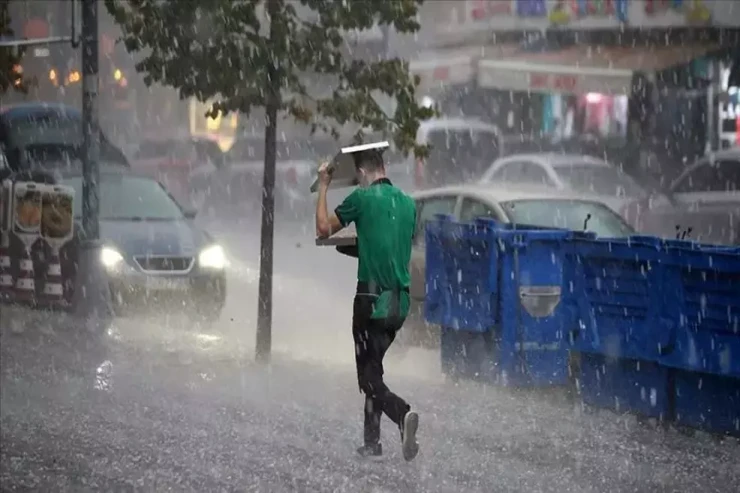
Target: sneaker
[(370, 450), (409, 444)]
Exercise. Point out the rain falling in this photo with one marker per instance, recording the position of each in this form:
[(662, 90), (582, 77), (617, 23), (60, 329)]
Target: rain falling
[(234, 234)]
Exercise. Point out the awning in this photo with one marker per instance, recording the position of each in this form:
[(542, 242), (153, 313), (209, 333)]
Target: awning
[(582, 69), (440, 69)]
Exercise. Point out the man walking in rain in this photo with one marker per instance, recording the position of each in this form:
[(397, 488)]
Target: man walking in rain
[(385, 219)]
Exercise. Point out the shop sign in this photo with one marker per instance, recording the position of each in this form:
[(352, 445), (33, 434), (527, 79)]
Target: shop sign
[(531, 8), (694, 11), (554, 82), (567, 11), (487, 9)]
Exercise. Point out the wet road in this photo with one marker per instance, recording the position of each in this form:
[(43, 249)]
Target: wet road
[(166, 407)]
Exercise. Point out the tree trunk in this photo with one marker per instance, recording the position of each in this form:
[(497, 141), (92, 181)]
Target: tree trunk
[(91, 127), (264, 310)]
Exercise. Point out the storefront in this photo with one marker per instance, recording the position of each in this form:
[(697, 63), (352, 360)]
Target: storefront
[(594, 82)]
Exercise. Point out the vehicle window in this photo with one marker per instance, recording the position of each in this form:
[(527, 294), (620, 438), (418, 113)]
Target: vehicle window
[(600, 180), (472, 208), (721, 176), (426, 209), (509, 172), (532, 173), (567, 214), (129, 197), (525, 172)]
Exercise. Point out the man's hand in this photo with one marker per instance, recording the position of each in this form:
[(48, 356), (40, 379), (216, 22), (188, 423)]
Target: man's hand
[(324, 174)]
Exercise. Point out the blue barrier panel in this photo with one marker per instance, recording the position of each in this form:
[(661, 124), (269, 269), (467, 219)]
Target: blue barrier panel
[(622, 303), (459, 289), (706, 311), (708, 402), (507, 282), (468, 355), (436, 283), (626, 385), (534, 276)]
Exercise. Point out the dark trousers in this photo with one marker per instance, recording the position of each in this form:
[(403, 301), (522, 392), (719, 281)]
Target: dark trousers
[(372, 338)]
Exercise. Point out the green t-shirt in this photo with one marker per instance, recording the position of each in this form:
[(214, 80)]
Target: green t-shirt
[(385, 219)]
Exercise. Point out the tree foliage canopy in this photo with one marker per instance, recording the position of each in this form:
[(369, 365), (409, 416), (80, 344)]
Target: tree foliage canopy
[(10, 59), (243, 54)]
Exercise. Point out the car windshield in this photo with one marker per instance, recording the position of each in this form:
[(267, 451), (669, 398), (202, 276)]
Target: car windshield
[(600, 180), (129, 198), (567, 214)]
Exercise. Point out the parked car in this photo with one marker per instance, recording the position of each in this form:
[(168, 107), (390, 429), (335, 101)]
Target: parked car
[(579, 173), (40, 132), (537, 206), (703, 203), (184, 165), (461, 150), (155, 256)]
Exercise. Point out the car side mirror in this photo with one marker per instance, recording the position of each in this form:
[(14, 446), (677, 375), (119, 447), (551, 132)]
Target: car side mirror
[(190, 213)]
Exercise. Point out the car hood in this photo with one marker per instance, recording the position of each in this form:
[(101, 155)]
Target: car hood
[(137, 238)]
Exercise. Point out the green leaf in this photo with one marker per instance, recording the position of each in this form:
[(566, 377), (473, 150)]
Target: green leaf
[(233, 53)]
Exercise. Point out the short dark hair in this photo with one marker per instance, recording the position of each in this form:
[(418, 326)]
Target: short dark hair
[(370, 160)]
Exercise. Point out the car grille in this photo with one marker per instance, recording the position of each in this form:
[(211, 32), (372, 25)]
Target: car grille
[(165, 264)]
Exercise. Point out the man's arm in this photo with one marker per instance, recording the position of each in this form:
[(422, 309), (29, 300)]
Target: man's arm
[(326, 225)]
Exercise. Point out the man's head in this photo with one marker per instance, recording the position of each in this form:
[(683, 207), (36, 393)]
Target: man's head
[(369, 166)]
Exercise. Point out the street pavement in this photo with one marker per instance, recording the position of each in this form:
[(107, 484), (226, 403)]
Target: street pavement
[(165, 406)]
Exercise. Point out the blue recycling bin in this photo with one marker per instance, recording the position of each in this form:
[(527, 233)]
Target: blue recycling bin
[(500, 294)]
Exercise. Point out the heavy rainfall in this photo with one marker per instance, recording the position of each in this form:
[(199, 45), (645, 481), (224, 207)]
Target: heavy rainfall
[(171, 318)]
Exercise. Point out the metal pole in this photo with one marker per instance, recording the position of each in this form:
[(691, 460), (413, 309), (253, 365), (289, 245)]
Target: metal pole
[(263, 347), (91, 136), (92, 303)]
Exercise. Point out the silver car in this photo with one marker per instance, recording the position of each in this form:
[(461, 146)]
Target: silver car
[(703, 203), (581, 174), (536, 207)]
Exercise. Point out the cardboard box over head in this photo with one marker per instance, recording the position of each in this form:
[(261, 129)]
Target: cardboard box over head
[(342, 167), (344, 174)]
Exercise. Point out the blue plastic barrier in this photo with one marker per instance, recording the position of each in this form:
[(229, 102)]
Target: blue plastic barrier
[(505, 283), (621, 300), (512, 300), (708, 402), (459, 284), (626, 385), (706, 310)]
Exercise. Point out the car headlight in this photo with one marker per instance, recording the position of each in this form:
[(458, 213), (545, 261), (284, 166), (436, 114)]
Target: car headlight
[(212, 257), (111, 258)]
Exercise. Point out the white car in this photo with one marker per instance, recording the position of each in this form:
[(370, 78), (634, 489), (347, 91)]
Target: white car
[(460, 150), (581, 174), (703, 203), (535, 206)]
